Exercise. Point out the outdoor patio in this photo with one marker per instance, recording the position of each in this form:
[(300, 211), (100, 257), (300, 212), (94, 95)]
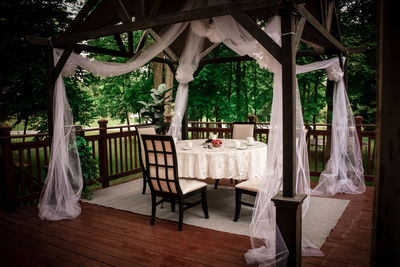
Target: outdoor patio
[(103, 236)]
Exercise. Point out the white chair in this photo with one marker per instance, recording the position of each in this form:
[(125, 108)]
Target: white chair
[(162, 176), (144, 129), (242, 130)]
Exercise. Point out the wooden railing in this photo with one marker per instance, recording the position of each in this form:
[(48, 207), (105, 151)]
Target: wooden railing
[(23, 164)]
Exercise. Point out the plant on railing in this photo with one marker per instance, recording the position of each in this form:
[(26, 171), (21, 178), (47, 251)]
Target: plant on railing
[(89, 166), (154, 111)]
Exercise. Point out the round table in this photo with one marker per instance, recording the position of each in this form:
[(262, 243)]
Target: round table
[(226, 161)]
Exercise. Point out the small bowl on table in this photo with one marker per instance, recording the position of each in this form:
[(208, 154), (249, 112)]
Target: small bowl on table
[(216, 143)]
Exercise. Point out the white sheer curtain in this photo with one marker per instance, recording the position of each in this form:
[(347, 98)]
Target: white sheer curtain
[(344, 172), (188, 63), (63, 185)]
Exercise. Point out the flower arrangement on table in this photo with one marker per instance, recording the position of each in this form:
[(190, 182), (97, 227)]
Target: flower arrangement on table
[(216, 143)]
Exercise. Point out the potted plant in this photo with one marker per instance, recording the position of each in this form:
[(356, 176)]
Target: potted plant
[(154, 111), (89, 166)]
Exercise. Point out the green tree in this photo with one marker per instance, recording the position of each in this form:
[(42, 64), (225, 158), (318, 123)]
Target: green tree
[(23, 80)]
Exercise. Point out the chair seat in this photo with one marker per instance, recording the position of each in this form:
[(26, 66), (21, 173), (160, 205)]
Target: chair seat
[(188, 186), (249, 185)]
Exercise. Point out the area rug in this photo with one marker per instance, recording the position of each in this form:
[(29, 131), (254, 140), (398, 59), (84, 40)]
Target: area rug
[(320, 219)]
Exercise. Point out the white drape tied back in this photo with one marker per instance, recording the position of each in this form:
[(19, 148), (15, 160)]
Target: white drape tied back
[(343, 172)]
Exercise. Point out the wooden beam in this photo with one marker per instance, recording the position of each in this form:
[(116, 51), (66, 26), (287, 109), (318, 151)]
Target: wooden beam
[(167, 50), (315, 23), (209, 49), (142, 40), (81, 15), (120, 44), (61, 62), (139, 12), (329, 16), (123, 14), (299, 31), (154, 8), (199, 68), (252, 28), (166, 19)]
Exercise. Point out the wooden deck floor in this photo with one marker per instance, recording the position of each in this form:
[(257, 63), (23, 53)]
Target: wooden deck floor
[(104, 236)]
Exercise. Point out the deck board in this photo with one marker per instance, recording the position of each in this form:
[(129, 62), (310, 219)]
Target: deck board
[(103, 236)]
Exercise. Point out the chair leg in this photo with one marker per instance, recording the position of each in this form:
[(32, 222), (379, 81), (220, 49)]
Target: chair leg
[(238, 201), (204, 203), (153, 209), (216, 183), (172, 205), (144, 183), (180, 214)]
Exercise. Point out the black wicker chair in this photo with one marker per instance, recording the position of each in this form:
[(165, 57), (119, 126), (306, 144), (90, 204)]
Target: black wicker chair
[(162, 177), (144, 129)]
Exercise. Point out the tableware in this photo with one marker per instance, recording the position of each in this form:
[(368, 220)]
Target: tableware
[(252, 144), (186, 148), (237, 143), (250, 140), (189, 144), (242, 148)]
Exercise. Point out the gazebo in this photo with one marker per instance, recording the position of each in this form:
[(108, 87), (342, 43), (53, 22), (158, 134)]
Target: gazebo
[(313, 22)]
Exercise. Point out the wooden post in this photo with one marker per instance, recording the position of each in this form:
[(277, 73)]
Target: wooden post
[(252, 118), (289, 221), (103, 159), (358, 119), (50, 89), (288, 58), (9, 192), (288, 204)]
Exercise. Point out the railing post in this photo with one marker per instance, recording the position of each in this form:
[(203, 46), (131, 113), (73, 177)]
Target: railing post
[(358, 119), (103, 158), (252, 118), (9, 192)]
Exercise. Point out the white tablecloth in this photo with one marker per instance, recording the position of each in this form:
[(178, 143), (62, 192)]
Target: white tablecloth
[(225, 161)]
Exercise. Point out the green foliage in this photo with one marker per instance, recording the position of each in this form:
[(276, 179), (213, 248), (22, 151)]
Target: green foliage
[(89, 166), (358, 28), (153, 111), (23, 78)]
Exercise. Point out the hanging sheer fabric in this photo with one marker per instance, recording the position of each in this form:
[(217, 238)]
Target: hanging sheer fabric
[(63, 185), (344, 172), (188, 63)]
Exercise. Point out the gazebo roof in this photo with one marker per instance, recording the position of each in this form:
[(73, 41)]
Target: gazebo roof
[(318, 23)]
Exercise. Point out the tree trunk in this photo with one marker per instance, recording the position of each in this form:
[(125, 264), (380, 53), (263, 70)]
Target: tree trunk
[(25, 128), (230, 82), (169, 83), (238, 89), (246, 95), (127, 117), (255, 90), (329, 100)]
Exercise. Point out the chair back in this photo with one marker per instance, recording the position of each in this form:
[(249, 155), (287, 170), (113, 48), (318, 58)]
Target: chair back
[(242, 130), (162, 164), (144, 129)]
